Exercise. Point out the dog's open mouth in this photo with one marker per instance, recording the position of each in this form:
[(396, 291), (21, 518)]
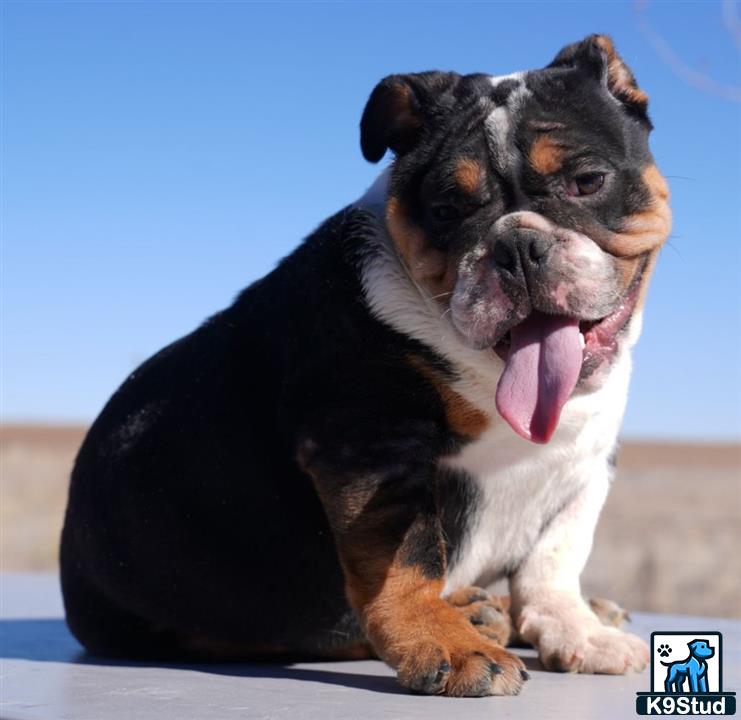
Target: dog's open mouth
[(545, 355)]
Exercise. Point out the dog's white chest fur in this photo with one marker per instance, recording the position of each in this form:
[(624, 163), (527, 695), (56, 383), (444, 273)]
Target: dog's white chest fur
[(521, 486)]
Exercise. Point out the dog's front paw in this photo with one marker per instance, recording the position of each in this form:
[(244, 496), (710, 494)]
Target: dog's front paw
[(570, 639), (487, 613), (470, 669)]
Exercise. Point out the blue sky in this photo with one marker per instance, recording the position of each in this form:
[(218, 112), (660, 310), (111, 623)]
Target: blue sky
[(157, 157)]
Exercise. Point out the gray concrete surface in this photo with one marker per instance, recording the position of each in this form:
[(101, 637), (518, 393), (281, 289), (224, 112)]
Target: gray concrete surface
[(45, 675)]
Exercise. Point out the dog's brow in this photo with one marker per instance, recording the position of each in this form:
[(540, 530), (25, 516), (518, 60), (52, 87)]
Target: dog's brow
[(545, 125)]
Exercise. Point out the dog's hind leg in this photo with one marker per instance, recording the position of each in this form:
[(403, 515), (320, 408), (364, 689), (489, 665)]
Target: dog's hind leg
[(669, 681), (105, 629)]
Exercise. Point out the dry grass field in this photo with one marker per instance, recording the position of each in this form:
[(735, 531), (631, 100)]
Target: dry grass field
[(669, 539)]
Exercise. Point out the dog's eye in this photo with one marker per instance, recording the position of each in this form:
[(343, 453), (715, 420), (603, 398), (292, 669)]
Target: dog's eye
[(586, 183), (444, 213)]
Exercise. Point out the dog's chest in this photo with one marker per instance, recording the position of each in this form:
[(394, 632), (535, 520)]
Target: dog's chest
[(514, 497), (519, 488)]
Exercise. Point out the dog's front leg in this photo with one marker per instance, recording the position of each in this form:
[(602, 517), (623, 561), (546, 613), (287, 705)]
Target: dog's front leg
[(547, 604), (389, 542), (703, 681), (696, 677)]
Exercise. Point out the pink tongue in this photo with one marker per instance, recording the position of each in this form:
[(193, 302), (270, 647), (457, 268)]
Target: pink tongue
[(541, 372)]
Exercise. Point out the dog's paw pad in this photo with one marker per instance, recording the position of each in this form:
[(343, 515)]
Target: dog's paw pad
[(664, 650)]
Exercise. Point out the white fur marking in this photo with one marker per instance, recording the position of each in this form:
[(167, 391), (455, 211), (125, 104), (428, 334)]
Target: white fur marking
[(375, 196), (496, 79), (499, 125)]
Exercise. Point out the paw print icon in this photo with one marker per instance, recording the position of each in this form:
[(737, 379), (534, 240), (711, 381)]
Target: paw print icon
[(664, 650)]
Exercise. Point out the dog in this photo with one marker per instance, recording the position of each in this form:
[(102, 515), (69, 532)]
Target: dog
[(422, 398), (694, 669)]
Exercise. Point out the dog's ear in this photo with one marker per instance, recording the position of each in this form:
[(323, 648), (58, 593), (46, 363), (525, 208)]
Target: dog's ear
[(597, 56), (399, 108)]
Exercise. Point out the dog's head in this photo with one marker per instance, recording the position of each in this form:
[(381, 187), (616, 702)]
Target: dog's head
[(529, 206), (700, 649)]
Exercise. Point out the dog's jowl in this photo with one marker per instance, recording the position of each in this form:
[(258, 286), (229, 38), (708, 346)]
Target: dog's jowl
[(422, 398)]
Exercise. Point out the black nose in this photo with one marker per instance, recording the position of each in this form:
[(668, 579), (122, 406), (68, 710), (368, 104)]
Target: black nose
[(520, 249)]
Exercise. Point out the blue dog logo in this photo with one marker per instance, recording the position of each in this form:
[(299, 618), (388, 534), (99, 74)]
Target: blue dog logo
[(694, 669), (693, 686)]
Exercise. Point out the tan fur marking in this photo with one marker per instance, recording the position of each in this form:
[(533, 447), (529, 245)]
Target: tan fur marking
[(427, 266), (546, 155), (468, 175), (656, 182), (463, 417), (619, 78), (643, 234), (406, 121), (648, 229)]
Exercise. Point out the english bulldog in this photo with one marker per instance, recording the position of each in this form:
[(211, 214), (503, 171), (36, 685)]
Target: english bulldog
[(422, 398)]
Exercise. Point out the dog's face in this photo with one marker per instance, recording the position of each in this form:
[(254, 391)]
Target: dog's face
[(530, 209), (700, 649)]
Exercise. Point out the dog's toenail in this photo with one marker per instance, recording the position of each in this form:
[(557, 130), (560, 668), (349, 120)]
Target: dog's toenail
[(495, 668), (442, 670), (525, 675)]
